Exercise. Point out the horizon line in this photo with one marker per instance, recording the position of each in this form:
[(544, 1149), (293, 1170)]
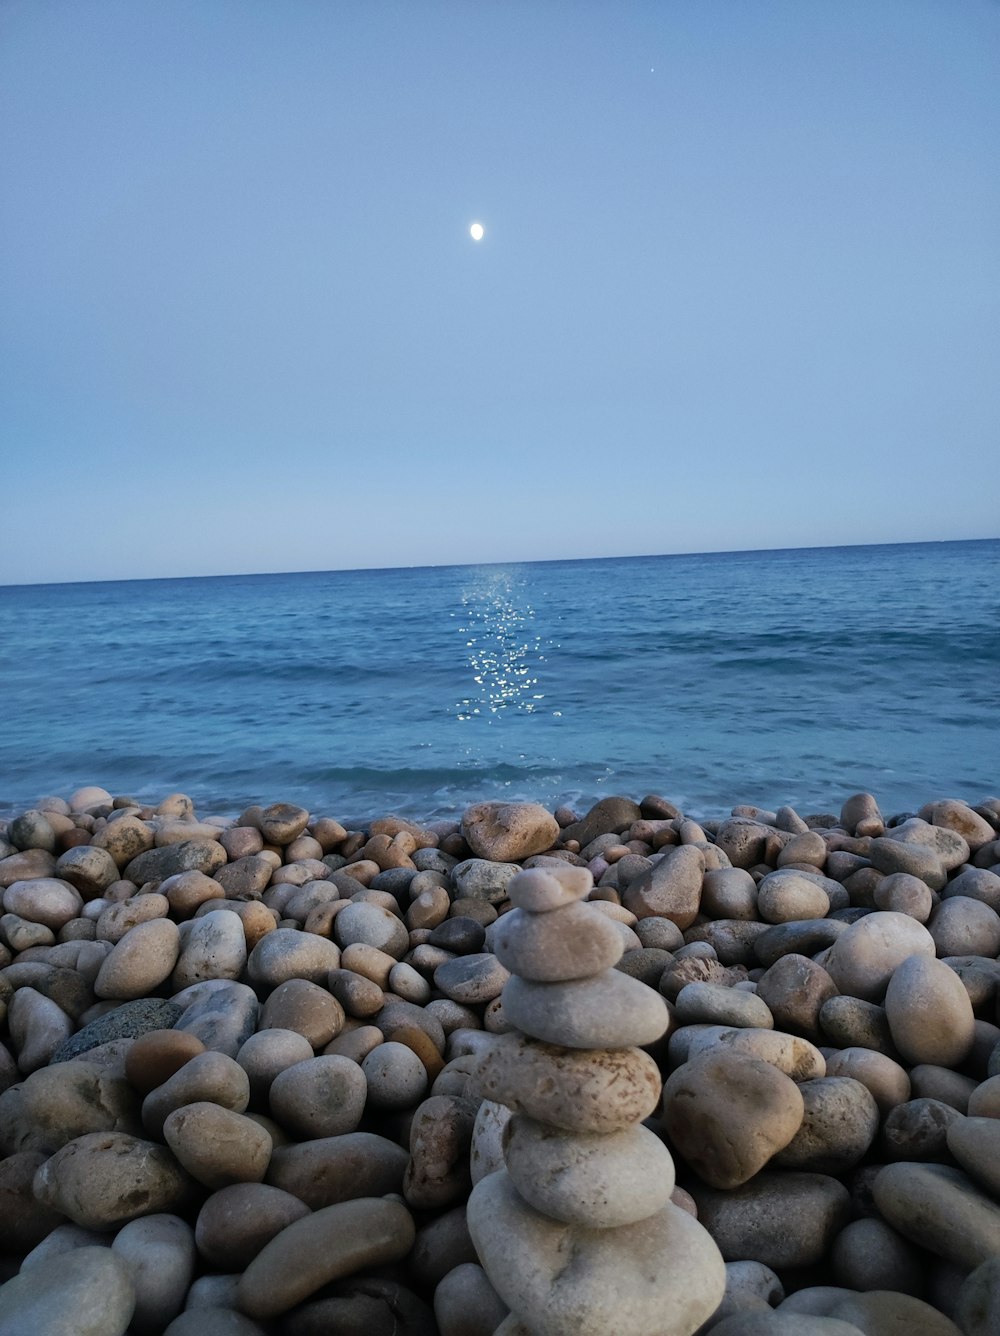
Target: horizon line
[(473, 565)]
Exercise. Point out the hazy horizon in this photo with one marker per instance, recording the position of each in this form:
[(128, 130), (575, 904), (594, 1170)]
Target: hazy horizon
[(737, 287), (514, 562)]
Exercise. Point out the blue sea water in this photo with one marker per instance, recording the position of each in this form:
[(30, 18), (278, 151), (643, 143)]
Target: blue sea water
[(795, 676)]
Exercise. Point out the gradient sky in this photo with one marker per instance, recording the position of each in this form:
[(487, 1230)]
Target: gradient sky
[(738, 289)]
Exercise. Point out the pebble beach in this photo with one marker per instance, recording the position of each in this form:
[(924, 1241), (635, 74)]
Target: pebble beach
[(531, 1072)]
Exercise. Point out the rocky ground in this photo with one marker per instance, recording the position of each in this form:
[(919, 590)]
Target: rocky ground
[(526, 1073)]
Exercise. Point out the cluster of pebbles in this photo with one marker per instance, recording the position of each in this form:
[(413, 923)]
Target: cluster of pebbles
[(527, 1073)]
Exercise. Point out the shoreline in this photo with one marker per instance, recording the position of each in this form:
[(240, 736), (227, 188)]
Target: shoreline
[(283, 1027)]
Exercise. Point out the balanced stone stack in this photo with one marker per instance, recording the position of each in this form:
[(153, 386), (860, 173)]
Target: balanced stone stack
[(578, 1233)]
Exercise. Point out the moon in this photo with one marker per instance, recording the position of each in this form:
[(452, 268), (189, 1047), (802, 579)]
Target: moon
[(477, 231)]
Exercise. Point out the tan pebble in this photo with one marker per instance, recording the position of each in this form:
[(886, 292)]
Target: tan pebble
[(364, 871), (43, 900), (368, 961), (355, 1043), (328, 1170), (281, 823), (104, 1179), (902, 893), (885, 1079), (208, 1076), (420, 1042), (257, 921), (241, 842), (794, 1056), (728, 1114), (359, 995), (287, 953), (787, 896), (373, 926), (929, 1013), (405, 982), (671, 888), (862, 959), (156, 1055), (185, 891), (305, 1007), (508, 832), (217, 1146), (121, 918), (140, 961), (439, 1171)]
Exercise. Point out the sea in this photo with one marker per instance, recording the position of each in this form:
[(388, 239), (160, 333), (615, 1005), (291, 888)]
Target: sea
[(777, 677)]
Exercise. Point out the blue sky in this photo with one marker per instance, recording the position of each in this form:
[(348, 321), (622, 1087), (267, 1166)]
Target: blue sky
[(738, 288)]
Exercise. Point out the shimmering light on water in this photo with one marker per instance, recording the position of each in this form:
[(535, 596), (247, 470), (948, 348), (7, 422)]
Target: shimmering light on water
[(506, 654)]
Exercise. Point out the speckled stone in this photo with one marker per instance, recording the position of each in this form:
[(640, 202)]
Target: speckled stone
[(598, 1090), (128, 1021)]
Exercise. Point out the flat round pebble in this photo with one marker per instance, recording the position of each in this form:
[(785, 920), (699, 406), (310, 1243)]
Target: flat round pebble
[(472, 979)]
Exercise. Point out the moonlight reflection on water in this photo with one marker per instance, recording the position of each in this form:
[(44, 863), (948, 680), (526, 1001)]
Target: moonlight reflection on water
[(505, 653)]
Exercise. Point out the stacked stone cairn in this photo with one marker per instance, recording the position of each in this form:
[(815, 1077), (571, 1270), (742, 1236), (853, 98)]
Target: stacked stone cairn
[(578, 1233)]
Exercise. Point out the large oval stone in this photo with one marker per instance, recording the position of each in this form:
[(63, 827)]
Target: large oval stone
[(729, 1113), (929, 1012), (862, 959), (215, 948), (104, 1179), (573, 942), (940, 1209), (140, 962), (782, 1219), (324, 1246), (288, 953), (237, 1221), (328, 1170), (508, 832), (597, 1181), (660, 1274), (86, 1292), (610, 1010)]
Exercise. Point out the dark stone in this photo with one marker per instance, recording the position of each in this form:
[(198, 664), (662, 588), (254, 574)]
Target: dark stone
[(128, 1021), (461, 935), (362, 1306), (611, 816)]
